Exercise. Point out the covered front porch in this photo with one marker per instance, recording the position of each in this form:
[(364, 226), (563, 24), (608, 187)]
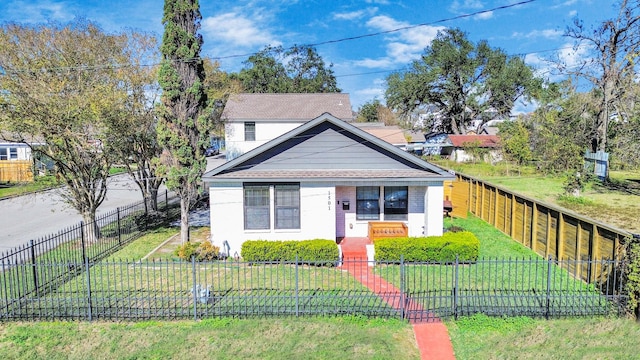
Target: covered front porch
[(417, 208)]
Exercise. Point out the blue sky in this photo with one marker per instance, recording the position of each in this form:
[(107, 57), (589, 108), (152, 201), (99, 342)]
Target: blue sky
[(533, 30)]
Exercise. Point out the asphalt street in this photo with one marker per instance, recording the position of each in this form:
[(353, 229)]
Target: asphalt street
[(33, 216)]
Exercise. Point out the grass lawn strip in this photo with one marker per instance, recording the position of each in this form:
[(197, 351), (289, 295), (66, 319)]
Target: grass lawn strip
[(274, 338), (483, 337)]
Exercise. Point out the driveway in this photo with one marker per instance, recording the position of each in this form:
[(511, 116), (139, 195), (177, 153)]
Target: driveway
[(32, 216)]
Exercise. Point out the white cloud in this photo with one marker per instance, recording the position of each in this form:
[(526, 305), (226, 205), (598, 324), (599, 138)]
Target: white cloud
[(459, 6), (39, 11), (546, 33), (403, 46), (564, 4), (381, 2), (237, 30), (355, 14), (374, 63), (484, 16), (573, 13)]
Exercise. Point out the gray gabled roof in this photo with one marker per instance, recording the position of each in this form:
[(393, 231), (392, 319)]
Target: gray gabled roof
[(242, 107), (327, 149)]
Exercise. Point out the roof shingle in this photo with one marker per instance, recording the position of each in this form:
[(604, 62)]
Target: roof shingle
[(287, 106)]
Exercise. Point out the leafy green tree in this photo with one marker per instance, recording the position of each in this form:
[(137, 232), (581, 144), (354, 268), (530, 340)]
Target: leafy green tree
[(134, 131), (464, 81), (558, 128), (62, 86), (514, 137), (264, 73), (308, 72), (184, 117), (299, 69), (218, 85), (368, 112)]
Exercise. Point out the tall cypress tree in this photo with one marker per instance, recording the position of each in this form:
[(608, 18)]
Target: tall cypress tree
[(183, 120)]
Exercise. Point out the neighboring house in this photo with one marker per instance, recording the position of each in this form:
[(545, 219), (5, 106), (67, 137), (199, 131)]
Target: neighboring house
[(434, 143), (324, 179), (456, 151), (415, 141), (394, 135), (254, 119), (15, 162)]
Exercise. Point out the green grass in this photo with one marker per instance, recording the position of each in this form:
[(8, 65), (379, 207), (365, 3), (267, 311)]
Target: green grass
[(16, 189), (511, 280), (483, 337), (144, 245), (288, 338), (493, 243), (598, 201)]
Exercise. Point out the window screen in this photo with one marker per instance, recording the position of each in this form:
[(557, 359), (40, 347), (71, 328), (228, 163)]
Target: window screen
[(249, 131), (287, 206), (256, 207)]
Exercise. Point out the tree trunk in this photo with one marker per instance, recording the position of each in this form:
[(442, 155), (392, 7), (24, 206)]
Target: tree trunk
[(153, 199), (91, 229), (184, 220)]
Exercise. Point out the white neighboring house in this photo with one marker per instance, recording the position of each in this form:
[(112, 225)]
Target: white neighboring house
[(325, 179), (14, 151), (491, 143), (253, 119), (16, 164)]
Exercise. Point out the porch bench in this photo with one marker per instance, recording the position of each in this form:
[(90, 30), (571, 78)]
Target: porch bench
[(387, 229)]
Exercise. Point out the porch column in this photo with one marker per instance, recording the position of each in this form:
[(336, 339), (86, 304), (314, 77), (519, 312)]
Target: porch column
[(433, 217)]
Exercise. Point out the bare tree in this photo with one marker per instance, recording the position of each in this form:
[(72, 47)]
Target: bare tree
[(612, 50)]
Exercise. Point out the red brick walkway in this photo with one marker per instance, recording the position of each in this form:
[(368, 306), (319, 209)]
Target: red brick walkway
[(431, 334)]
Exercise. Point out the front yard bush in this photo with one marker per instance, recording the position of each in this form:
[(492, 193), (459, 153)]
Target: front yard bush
[(324, 251), (429, 249), (203, 251)]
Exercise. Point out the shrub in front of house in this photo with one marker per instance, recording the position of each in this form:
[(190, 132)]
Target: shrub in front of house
[(307, 251), (429, 249), (203, 251)]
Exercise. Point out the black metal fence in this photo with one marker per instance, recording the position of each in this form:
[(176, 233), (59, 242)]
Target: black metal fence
[(72, 248), (120, 290)]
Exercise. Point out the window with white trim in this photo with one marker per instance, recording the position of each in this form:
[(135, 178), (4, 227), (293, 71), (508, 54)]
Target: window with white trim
[(258, 206), (3, 154), (287, 206), (249, 131), (13, 153)]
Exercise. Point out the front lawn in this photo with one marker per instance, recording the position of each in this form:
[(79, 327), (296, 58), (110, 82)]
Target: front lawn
[(482, 337), (226, 338)]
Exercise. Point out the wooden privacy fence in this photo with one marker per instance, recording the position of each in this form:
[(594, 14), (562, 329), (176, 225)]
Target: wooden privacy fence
[(16, 171), (546, 229)]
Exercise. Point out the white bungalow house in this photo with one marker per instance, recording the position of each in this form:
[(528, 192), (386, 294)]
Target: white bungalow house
[(253, 119), (324, 179), (15, 162)]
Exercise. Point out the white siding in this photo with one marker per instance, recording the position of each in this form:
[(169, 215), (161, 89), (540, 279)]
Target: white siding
[(350, 227), (433, 217), (317, 217), (265, 131), (416, 211)]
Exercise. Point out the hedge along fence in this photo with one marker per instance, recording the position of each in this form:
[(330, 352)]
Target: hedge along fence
[(546, 229), (265, 250), (463, 246)]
